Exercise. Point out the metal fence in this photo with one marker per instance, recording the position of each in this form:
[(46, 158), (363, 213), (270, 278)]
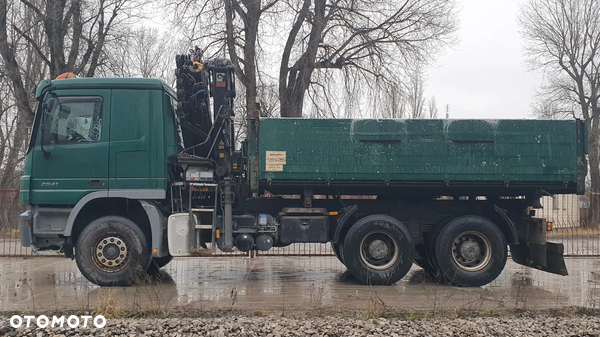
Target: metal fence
[(567, 213), (299, 249), (10, 239)]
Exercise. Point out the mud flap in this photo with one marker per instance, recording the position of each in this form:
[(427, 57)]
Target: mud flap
[(548, 257), (533, 250)]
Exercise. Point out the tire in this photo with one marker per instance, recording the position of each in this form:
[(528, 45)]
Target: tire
[(99, 244), (378, 250), (430, 265), (338, 250), (471, 251), (158, 262)]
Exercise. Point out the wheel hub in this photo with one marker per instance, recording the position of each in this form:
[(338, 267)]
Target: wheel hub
[(471, 251), (378, 249), (111, 252)]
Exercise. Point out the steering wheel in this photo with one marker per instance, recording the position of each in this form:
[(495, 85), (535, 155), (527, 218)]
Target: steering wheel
[(76, 137)]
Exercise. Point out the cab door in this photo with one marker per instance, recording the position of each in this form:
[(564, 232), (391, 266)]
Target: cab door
[(70, 157)]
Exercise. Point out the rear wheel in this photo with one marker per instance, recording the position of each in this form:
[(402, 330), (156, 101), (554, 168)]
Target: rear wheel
[(378, 250), (112, 251), (471, 251), (429, 263)]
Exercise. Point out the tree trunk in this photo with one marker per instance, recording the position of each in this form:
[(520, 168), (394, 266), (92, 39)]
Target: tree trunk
[(247, 75), (24, 112), (251, 32), (252, 110), (295, 80), (593, 219), (292, 103), (10, 175)]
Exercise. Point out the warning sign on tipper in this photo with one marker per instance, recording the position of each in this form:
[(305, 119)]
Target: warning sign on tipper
[(274, 168), (274, 161)]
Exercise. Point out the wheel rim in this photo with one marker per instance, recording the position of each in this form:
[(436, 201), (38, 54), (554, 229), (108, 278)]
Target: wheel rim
[(471, 251), (110, 254), (379, 250)]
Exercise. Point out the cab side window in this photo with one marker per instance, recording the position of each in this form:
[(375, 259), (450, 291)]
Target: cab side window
[(70, 120)]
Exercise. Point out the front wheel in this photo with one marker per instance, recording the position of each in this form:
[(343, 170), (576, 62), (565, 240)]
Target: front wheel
[(112, 251), (471, 251), (378, 250)]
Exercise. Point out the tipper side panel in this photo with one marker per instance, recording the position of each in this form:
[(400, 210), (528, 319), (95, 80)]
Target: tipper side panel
[(417, 150)]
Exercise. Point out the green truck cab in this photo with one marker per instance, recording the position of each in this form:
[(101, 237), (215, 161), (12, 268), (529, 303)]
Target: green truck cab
[(123, 174), (94, 150)]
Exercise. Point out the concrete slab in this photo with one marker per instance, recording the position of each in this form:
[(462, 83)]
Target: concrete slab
[(285, 283)]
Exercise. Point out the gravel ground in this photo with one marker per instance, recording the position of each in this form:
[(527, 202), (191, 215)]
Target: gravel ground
[(534, 325)]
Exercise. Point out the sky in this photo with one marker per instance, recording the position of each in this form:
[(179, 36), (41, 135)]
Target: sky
[(484, 75)]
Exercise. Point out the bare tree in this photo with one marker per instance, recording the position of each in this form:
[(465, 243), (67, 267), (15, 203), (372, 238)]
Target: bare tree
[(143, 52), (38, 38), (22, 71), (555, 101), (432, 108), (233, 24), (563, 39), (243, 51), (370, 40), (7, 120), (370, 37), (76, 31), (415, 93), (396, 102)]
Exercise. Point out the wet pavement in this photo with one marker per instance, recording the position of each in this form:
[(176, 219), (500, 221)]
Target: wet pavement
[(288, 283)]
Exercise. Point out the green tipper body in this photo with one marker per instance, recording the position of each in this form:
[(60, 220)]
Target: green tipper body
[(533, 153)]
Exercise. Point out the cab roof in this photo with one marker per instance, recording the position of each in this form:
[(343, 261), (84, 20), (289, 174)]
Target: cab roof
[(103, 83)]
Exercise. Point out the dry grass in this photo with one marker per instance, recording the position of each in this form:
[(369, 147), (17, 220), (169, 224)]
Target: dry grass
[(108, 304), (316, 296), (376, 306), (151, 295)]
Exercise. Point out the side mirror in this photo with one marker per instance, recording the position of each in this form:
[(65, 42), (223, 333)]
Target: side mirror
[(50, 104)]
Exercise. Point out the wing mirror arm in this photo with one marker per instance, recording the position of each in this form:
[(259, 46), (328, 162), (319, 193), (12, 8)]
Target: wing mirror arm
[(47, 154), (47, 106)]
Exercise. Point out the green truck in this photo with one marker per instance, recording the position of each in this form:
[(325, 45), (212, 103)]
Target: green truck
[(124, 174)]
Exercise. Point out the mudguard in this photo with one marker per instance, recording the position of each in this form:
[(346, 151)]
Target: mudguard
[(533, 250), (341, 222)]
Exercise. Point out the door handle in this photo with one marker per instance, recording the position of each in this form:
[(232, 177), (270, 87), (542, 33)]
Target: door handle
[(97, 183)]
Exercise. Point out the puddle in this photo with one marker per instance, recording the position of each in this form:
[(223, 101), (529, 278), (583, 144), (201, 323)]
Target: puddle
[(276, 283)]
